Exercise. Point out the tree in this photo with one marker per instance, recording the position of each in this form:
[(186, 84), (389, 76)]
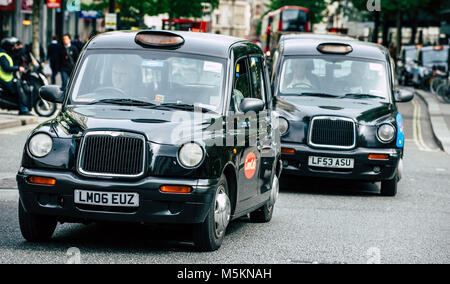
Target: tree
[(315, 7), (36, 29)]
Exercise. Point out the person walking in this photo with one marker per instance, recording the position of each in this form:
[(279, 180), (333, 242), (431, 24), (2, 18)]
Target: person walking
[(7, 73), (53, 56), (68, 58)]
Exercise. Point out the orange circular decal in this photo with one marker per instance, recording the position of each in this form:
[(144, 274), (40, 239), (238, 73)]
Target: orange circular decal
[(250, 165)]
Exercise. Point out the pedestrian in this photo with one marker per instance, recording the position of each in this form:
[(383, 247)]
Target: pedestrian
[(78, 43), (68, 57), (53, 56), (8, 80)]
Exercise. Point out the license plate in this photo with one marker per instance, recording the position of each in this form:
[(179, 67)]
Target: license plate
[(335, 163), (119, 199)]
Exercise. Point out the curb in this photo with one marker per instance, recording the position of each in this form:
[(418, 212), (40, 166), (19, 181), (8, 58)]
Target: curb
[(439, 126), (15, 122)]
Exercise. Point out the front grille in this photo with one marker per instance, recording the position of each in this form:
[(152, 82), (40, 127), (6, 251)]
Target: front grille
[(332, 132), (112, 154)]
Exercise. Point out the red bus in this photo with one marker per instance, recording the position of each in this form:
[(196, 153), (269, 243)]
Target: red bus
[(284, 20), (187, 25)]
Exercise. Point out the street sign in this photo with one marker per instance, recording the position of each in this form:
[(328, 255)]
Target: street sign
[(111, 21), (89, 14), (73, 5)]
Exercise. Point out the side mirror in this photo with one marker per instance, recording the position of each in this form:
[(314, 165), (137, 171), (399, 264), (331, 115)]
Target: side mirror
[(251, 104), (52, 93), (404, 96)]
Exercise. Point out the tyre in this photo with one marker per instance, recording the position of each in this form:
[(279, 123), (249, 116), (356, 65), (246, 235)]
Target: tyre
[(44, 108), (435, 83), (444, 92), (389, 187), (264, 214), (209, 235), (35, 228)]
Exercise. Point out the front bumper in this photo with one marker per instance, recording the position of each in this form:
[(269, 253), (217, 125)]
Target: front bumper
[(297, 163), (155, 206)]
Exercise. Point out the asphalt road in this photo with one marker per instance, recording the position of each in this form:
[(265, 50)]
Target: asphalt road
[(315, 221)]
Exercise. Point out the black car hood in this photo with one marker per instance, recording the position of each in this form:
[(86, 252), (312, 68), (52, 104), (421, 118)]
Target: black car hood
[(158, 125), (363, 111)]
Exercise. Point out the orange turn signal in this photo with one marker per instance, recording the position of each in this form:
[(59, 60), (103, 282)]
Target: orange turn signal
[(175, 189), (287, 151), (42, 180), (378, 157)]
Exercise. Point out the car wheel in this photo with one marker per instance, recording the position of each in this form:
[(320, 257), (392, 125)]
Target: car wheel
[(35, 228), (44, 108), (209, 235), (389, 187), (264, 214)]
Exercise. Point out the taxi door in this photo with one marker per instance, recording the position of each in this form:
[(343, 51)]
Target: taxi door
[(247, 138)]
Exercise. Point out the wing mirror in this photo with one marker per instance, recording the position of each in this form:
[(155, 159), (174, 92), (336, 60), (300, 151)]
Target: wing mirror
[(52, 93), (251, 104), (404, 96)]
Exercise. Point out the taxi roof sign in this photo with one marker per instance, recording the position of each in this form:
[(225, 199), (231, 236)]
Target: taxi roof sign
[(159, 39), (335, 48)]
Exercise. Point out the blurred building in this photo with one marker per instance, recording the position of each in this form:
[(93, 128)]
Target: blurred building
[(233, 17), (258, 8)]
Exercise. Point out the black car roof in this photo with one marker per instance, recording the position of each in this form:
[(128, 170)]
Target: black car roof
[(198, 43), (360, 49)]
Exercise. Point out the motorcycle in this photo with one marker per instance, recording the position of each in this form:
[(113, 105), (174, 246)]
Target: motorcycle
[(31, 81)]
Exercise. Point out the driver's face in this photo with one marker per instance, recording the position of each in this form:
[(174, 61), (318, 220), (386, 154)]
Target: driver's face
[(121, 77)]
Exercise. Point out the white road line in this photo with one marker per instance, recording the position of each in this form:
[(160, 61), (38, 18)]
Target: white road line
[(7, 195)]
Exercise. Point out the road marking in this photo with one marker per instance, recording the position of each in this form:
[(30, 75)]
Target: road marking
[(417, 129), (8, 195)]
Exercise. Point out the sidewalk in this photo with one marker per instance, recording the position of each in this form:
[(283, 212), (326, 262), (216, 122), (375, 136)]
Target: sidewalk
[(10, 119), (440, 118)]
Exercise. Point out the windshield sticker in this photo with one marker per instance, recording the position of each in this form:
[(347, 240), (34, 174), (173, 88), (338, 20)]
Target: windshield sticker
[(376, 67), (152, 63), (211, 66), (159, 99), (250, 165), (400, 131)]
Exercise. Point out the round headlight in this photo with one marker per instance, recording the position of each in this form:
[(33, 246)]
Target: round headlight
[(283, 126), (386, 133), (190, 155), (40, 145)]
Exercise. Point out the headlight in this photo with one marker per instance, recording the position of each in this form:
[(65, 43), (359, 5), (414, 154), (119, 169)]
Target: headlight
[(190, 155), (386, 133), (40, 145), (283, 126)]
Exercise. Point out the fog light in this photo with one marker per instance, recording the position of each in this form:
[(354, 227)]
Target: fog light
[(285, 164), (175, 189), (42, 180), (378, 157), (377, 169), (287, 151)]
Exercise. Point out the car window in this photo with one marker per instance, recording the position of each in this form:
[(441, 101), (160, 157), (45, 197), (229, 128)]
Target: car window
[(154, 77), (257, 78), (336, 76), (241, 85)]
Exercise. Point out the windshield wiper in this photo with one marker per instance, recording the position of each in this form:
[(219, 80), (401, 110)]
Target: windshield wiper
[(322, 95), (124, 102), (185, 107), (360, 96)]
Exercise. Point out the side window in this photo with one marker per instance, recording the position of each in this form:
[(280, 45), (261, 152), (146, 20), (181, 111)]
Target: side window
[(256, 71), (241, 84)]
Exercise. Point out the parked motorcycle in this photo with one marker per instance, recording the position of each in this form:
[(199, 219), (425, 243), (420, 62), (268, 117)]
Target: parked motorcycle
[(32, 80)]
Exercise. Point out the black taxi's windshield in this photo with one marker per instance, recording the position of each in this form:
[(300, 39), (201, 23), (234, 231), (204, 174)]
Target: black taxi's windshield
[(330, 76), (144, 78)]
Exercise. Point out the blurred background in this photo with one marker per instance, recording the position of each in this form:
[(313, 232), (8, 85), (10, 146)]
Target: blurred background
[(383, 21)]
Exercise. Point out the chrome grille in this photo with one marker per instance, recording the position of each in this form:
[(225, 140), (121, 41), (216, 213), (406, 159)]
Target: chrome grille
[(332, 132), (115, 154)]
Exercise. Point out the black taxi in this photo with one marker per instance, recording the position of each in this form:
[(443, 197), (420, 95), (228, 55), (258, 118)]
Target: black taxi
[(338, 116), (156, 127)]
